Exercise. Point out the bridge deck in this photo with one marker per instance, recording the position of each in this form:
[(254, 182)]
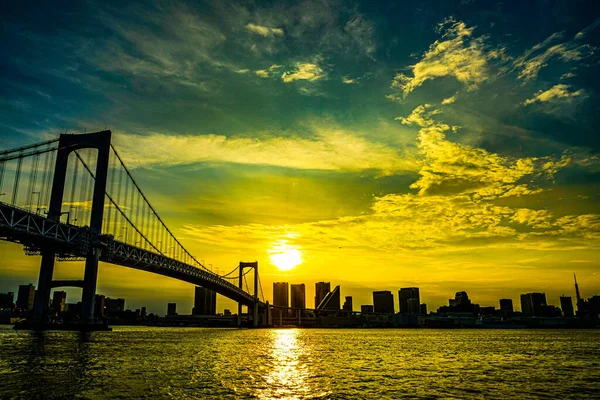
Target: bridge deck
[(37, 232)]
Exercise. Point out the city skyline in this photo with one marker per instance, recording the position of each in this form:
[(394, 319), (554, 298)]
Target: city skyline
[(377, 146)]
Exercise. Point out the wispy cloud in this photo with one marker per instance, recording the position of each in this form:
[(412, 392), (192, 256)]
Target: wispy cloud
[(331, 149), (555, 93), (269, 72), (265, 31), (533, 60)]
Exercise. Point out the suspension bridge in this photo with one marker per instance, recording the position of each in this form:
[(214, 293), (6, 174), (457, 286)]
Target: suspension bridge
[(73, 199)]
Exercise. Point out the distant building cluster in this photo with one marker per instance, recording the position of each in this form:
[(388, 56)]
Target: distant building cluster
[(289, 308)]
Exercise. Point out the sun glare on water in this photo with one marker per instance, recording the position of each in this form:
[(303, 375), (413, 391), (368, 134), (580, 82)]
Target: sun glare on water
[(285, 256)]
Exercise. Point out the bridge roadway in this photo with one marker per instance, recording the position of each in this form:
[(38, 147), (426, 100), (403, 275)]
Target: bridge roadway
[(37, 232)]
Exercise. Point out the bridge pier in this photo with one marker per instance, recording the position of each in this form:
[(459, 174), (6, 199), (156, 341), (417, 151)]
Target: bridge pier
[(90, 278), (68, 144), (42, 294)]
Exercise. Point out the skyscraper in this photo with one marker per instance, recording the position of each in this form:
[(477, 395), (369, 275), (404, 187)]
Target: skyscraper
[(171, 308), (506, 306), (347, 304), (383, 302), (331, 302), (113, 306), (59, 298), (566, 304), (205, 301), (404, 294), (298, 296), (321, 290), (6, 300), (25, 297), (280, 294), (533, 304), (414, 307), (99, 303)]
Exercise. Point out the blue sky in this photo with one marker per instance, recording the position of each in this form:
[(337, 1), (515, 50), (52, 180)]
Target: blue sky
[(450, 145)]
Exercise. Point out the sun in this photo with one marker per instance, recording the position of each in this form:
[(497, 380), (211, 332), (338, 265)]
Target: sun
[(285, 256)]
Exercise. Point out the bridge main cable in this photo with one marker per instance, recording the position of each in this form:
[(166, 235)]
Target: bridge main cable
[(154, 211)]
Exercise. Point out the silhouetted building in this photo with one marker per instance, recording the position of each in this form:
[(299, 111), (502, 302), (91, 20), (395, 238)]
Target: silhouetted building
[(26, 296), (112, 307), (332, 301), (414, 306), (423, 309), (347, 304), (533, 304), (404, 295), (366, 309), (506, 306), (280, 298), (460, 299), (205, 301), (487, 311), (99, 304), (566, 304), (59, 299), (143, 313), (459, 304), (383, 302), (171, 308), (6, 300), (321, 290), (298, 295), (280, 294)]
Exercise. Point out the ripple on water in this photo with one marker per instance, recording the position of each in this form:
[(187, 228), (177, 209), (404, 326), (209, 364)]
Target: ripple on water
[(196, 363)]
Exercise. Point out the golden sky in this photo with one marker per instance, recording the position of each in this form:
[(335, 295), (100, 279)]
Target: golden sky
[(375, 147)]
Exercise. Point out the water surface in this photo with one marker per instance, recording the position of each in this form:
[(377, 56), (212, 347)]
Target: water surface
[(200, 363)]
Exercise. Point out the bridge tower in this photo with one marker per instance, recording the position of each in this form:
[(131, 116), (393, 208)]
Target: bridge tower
[(67, 144), (242, 267)]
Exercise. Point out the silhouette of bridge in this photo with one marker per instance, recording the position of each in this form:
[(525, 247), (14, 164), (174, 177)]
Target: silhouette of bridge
[(99, 214)]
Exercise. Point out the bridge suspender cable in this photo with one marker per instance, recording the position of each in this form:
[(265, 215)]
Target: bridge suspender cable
[(154, 211), (119, 209)]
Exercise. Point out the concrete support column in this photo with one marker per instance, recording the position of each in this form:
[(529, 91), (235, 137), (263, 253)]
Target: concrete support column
[(42, 294), (241, 275), (256, 295), (90, 278)]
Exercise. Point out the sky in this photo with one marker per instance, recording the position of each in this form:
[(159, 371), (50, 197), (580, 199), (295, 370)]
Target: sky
[(448, 145)]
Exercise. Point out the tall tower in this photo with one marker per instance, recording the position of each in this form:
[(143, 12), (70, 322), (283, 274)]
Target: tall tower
[(577, 289)]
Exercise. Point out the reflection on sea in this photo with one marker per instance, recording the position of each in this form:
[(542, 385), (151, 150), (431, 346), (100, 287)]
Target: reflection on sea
[(287, 374)]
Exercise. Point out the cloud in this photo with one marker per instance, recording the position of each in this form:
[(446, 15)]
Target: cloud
[(304, 71), (458, 54), (419, 224), (172, 46), (331, 149), (269, 72), (536, 58), (555, 93), (348, 81), (362, 32), (265, 31), (450, 167), (584, 32), (449, 100)]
